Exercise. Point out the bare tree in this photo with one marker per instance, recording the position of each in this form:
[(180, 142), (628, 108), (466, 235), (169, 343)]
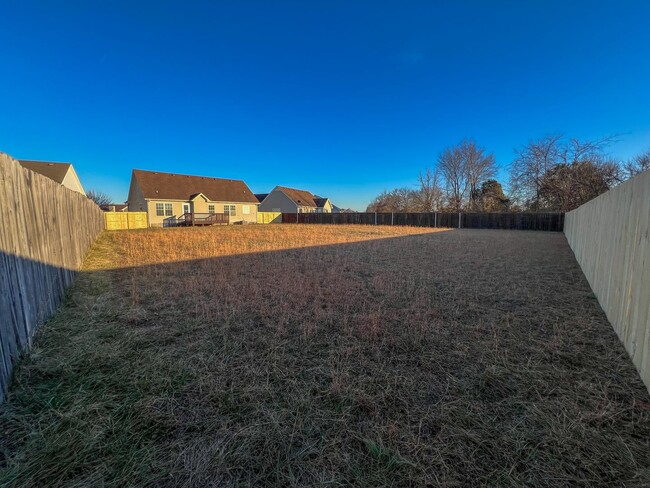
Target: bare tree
[(567, 186), (428, 198), (452, 167), (531, 163), (637, 164), (533, 168), (464, 167), (99, 197), (397, 200), (479, 165)]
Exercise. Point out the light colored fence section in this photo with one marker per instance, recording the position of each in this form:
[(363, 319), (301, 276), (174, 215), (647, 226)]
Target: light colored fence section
[(269, 217), (610, 237), (45, 230), (125, 220)]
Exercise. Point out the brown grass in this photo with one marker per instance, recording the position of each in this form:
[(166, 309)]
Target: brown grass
[(322, 355)]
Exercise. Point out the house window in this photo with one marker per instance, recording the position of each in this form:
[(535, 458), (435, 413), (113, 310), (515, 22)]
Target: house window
[(246, 209), (211, 209), (160, 209), (169, 210), (229, 209)]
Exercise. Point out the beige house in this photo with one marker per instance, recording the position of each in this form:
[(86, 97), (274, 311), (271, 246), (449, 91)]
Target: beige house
[(62, 173), (291, 200), (165, 195)]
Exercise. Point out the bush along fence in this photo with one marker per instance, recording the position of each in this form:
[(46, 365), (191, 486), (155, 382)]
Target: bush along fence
[(46, 230), (520, 221)]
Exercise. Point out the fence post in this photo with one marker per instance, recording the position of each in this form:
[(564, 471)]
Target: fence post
[(391, 218), (375, 218), (435, 219), (459, 220)]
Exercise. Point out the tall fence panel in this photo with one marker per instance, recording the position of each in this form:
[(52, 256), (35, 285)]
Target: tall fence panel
[(521, 221), (269, 217), (125, 220), (610, 237), (45, 232)]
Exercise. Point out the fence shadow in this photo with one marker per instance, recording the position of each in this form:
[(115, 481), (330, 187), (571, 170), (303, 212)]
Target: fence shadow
[(449, 337)]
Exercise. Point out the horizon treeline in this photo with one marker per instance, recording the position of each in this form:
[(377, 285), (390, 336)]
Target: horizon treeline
[(550, 174)]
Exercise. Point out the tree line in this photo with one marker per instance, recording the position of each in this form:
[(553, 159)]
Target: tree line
[(550, 174)]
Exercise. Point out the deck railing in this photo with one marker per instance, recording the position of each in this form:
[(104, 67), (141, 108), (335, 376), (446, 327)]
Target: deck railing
[(190, 219)]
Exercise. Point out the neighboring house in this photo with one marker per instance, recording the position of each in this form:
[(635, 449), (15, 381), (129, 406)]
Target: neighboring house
[(336, 209), (63, 173), (164, 195), (261, 196), (290, 200), (115, 207)]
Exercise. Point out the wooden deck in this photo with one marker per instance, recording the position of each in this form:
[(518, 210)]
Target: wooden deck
[(193, 219)]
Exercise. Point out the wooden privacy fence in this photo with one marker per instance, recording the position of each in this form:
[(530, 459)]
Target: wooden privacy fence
[(521, 221), (269, 217), (125, 220), (610, 237), (45, 232)]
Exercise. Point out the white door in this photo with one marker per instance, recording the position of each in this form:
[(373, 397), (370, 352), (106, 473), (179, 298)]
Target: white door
[(186, 208)]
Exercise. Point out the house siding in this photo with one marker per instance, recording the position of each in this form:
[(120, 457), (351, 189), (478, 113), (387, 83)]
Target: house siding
[(71, 181), (200, 205), (277, 201), (136, 201)]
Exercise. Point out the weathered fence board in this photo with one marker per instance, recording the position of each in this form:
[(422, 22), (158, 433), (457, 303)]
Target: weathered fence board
[(610, 237), (521, 221), (45, 230)]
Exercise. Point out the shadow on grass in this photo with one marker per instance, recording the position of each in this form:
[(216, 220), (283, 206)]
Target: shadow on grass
[(458, 358)]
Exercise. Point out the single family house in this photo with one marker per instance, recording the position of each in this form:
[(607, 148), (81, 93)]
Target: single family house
[(165, 195), (63, 173), (291, 200)]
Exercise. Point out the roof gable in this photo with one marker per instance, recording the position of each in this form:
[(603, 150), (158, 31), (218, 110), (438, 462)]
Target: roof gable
[(320, 202), (54, 171), (302, 198), (171, 186)]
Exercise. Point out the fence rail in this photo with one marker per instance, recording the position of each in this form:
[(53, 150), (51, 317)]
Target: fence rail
[(45, 232), (522, 221)]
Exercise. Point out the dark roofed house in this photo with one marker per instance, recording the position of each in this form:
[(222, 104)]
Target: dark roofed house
[(320, 202), (63, 173), (292, 200), (164, 195), (261, 196)]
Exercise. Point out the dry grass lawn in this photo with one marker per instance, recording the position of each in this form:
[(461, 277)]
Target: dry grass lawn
[(320, 355)]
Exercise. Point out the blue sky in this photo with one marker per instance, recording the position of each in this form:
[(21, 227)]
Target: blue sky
[(341, 98)]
